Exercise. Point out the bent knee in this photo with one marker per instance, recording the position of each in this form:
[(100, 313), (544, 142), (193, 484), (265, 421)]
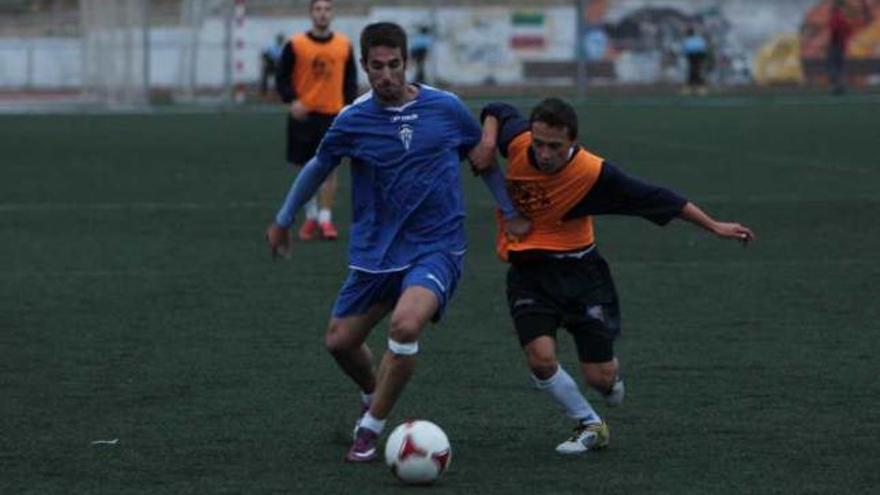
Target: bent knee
[(405, 328), (541, 357), (542, 366), (339, 339)]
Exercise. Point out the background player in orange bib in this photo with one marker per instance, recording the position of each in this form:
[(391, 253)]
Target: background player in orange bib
[(557, 277), (316, 77)]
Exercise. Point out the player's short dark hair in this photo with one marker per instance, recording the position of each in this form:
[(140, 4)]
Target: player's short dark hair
[(556, 113), (386, 34), (313, 2)]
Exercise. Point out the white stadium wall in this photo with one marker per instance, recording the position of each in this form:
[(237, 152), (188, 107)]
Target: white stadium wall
[(476, 45)]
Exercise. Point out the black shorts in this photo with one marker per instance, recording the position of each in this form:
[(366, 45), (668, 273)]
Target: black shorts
[(577, 294), (303, 136)]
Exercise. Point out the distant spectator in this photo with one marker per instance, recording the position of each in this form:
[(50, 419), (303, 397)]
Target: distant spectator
[(316, 79), (841, 30), (420, 47), (695, 51), (269, 62)]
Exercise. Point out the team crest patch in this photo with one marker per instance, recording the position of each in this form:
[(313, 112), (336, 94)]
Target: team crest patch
[(405, 133)]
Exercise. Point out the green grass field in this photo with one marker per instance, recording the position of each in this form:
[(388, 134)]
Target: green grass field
[(138, 302)]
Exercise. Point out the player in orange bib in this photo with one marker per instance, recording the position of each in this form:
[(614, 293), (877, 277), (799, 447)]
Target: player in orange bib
[(557, 277), (316, 78)]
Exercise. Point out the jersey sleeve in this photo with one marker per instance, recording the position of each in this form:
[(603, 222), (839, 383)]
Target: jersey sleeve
[(469, 132), (510, 123), (283, 84), (304, 186), (615, 192)]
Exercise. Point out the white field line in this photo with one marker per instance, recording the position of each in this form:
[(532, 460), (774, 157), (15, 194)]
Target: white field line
[(136, 206), (864, 265), (772, 159), (756, 199), (151, 206), (128, 273), (30, 108), (757, 265)]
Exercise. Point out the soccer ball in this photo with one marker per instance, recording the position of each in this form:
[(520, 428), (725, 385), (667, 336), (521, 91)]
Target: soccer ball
[(418, 452)]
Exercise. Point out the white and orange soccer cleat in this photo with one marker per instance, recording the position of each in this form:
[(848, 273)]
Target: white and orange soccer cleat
[(586, 437)]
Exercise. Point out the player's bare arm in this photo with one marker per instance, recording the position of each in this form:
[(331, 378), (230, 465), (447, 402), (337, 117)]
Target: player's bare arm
[(482, 157), (726, 230), (518, 226), (279, 240)]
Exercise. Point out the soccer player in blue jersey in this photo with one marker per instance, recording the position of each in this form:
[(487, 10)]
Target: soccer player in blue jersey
[(405, 143)]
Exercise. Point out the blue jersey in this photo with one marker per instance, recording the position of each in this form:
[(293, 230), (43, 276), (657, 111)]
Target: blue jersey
[(406, 181)]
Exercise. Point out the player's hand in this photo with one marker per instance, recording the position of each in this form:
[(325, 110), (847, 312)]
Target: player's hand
[(482, 157), (279, 240), (298, 110), (517, 227), (731, 230)]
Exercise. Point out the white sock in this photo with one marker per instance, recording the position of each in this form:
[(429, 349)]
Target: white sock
[(324, 215), (564, 390), (312, 209), (366, 399), (371, 423)]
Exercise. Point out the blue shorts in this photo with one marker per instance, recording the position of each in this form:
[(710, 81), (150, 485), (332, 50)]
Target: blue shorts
[(438, 272)]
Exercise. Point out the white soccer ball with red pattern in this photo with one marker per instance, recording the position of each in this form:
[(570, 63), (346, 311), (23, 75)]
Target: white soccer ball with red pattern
[(418, 452)]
